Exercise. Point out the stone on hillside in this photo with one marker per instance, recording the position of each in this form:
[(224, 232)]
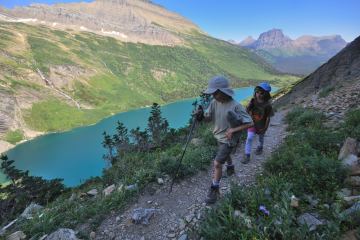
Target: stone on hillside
[(92, 192), (294, 201), (62, 234), (350, 200), (43, 237), (32, 209), (120, 187), (355, 181), (309, 219), (132, 187), (345, 192), (107, 191), (16, 236), (350, 161), (349, 147), (160, 181), (196, 142), (92, 235), (352, 213), (142, 215), (183, 237)]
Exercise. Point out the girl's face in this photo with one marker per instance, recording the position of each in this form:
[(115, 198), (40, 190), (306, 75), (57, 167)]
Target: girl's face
[(259, 94)]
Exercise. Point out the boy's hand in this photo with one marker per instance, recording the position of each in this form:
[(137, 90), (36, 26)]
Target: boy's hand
[(199, 113), (229, 133)]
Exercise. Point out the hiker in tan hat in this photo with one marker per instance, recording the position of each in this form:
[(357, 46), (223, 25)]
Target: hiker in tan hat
[(221, 108)]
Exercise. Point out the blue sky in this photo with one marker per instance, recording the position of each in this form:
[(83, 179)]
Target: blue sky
[(237, 19)]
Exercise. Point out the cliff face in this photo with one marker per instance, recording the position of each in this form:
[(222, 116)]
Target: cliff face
[(126, 20)]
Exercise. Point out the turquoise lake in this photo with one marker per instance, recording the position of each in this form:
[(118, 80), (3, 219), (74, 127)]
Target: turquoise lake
[(76, 155)]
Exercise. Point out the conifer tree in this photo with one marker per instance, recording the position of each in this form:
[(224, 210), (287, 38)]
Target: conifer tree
[(24, 189), (108, 144), (141, 139), (121, 139), (157, 125)]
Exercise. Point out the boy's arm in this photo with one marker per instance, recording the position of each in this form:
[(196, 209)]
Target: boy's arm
[(247, 122), (231, 131)]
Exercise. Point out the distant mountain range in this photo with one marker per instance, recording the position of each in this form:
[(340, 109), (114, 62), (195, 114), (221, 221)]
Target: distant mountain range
[(300, 56)]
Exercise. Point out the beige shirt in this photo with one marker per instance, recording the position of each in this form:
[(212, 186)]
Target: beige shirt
[(217, 113)]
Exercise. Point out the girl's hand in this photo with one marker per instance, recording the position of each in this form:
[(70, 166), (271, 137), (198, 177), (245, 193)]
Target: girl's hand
[(229, 133)]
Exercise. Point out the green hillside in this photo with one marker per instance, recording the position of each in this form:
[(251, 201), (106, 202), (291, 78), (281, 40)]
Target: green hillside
[(112, 76)]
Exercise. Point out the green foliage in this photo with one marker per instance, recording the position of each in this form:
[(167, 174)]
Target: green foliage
[(238, 216), (351, 127), (47, 53), (24, 189), (304, 118), (157, 126), (14, 136), (53, 115), (68, 213), (326, 91)]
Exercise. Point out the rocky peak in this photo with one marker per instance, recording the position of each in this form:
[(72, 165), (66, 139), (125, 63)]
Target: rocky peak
[(272, 39), (247, 41)]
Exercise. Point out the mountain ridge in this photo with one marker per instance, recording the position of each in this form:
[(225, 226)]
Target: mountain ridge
[(126, 20), (299, 56)]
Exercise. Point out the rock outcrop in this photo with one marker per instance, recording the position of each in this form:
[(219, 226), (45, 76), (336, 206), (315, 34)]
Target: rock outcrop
[(127, 20)]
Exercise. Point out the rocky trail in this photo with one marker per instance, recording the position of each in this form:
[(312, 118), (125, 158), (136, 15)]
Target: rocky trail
[(175, 215)]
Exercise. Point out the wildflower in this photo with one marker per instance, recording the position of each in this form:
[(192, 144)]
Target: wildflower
[(264, 210)]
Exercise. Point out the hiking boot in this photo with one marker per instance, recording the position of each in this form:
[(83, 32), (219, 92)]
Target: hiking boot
[(259, 150), (212, 195), (230, 170), (246, 159)]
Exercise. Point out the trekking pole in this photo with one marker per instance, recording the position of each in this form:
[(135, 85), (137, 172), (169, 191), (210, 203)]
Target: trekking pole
[(194, 120)]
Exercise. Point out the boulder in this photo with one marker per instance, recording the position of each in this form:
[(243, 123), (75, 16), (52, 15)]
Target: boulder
[(349, 147), (16, 236), (62, 234), (352, 213), (32, 209), (92, 192), (107, 191), (142, 215), (309, 219)]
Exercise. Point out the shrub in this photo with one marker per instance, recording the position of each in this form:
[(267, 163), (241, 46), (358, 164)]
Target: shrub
[(304, 118), (352, 124), (326, 91), (14, 136)]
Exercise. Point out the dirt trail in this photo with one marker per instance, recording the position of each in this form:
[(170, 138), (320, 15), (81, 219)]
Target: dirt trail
[(183, 208)]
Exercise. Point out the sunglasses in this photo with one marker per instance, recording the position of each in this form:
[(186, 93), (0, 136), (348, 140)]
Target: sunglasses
[(262, 92)]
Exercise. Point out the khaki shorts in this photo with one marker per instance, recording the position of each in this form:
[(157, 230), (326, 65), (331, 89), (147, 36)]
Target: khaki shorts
[(223, 152)]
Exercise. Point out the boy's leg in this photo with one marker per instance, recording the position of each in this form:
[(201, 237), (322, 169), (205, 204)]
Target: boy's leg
[(221, 157), (259, 149), (248, 145)]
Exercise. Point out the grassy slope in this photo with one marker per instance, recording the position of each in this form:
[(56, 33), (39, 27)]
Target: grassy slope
[(127, 75)]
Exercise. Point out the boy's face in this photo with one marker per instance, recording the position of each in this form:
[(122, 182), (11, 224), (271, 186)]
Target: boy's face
[(220, 96)]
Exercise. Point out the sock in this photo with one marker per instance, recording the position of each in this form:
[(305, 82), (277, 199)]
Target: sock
[(215, 183)]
